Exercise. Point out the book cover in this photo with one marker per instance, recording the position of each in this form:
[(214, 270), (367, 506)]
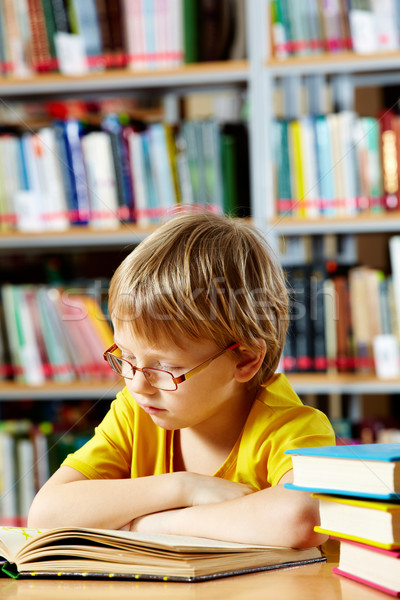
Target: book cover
[(372, 522), (282, 166), (50, 176), (102, 185), (160, 165), (325, 166), (389, 160), (70, 156), (121, 165), (375, 567), (228, 167), (365, 470), (132, 555), (88, 27), (211, 147), (190, 31), (41, 56)]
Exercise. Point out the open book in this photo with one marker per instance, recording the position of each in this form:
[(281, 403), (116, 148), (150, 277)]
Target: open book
[(75, 552)]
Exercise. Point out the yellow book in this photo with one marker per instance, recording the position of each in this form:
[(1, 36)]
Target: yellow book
[(373, 522), (297, 168), (98, 321)]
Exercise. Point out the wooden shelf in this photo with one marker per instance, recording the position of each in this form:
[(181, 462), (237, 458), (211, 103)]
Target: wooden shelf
[(303, 383), (77, 237), (79, 390), (340, 62), (362, 223), (342, 383), (196, 74)]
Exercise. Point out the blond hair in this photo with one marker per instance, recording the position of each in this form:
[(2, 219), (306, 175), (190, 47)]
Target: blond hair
[(204, 276)]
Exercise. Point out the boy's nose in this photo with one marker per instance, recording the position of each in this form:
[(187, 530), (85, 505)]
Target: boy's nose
[(140, 385)]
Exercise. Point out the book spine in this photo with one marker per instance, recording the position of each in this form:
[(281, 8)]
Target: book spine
[(389, 161), (41, 52)]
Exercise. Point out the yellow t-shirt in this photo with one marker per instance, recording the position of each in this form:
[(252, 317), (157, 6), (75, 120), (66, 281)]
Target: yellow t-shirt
[(128, 444)]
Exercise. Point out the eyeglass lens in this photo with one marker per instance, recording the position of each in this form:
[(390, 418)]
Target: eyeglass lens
[(157, 378)]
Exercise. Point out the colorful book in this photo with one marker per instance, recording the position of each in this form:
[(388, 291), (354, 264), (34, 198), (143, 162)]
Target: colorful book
[(372, 522), (102, 184), (365, 470), (371, 566), (131, 555)]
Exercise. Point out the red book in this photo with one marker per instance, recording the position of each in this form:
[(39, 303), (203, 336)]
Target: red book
[(370, 565), (389, 160)]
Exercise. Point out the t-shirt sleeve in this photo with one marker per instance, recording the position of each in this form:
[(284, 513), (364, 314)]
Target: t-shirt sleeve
[(108, 454), (306, 427)]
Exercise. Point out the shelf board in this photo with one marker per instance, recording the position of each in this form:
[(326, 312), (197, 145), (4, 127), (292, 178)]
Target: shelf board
[(341, 62), (79, 390), (342, 383), (303, 383), (377, 223), (196, 74), (78, 237)]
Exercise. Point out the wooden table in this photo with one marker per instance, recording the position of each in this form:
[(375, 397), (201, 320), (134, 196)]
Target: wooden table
[(310, 582)]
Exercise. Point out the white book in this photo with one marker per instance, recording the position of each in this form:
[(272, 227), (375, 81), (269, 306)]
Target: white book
[(30, 203), (134, 29), (347, 125), (363, 31), (386, 26), (175, 27), (30, 355), (338, 158), (10, 172), (51, 181), (394, 253), (25, 476), (8, 478), (138, 177), (161, 33), (102, 184)]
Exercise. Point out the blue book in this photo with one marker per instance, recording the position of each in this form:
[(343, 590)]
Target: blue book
[(70, 156), (112, 125), (365, 470)]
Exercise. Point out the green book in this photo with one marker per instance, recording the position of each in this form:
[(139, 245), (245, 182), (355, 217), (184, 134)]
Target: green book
[(228, 160), (51, 28), (190, 31)]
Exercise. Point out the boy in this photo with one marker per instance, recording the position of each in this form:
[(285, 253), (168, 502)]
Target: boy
[(194, 444)]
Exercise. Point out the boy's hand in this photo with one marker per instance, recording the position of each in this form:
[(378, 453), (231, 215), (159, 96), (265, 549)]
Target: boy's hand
[(206, 489)]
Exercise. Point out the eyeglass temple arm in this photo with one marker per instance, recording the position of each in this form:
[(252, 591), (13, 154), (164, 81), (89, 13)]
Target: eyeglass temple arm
[(110, 349), (203, 365)]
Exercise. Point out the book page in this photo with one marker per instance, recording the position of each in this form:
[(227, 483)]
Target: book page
[(13, 538)]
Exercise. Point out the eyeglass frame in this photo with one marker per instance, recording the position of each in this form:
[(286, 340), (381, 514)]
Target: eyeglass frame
[(176, 380)]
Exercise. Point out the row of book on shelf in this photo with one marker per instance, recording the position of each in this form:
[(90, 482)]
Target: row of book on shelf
[(48, 333), (344, 318), (29, 454), (44, 35), (120, 171), (337, 165), (314, 26), (358, 490)]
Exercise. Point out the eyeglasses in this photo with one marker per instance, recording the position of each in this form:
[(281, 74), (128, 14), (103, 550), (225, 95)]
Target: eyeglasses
[(158, 378)]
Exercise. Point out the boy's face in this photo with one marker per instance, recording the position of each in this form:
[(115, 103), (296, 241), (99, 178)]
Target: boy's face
[(200, 401)]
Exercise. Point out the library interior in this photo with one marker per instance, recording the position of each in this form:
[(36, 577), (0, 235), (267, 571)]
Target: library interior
[(117, 115)]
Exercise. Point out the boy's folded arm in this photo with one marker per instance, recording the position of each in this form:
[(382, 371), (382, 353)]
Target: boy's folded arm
[(274, 516), (71, 499)]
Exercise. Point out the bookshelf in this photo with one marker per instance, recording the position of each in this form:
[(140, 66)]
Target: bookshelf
[(290, 75), (171, 83)]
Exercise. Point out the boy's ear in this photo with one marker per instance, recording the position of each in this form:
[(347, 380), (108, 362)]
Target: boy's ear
[(249, 362)]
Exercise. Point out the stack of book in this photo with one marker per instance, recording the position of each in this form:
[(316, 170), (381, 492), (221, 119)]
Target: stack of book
[(358, 488)]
